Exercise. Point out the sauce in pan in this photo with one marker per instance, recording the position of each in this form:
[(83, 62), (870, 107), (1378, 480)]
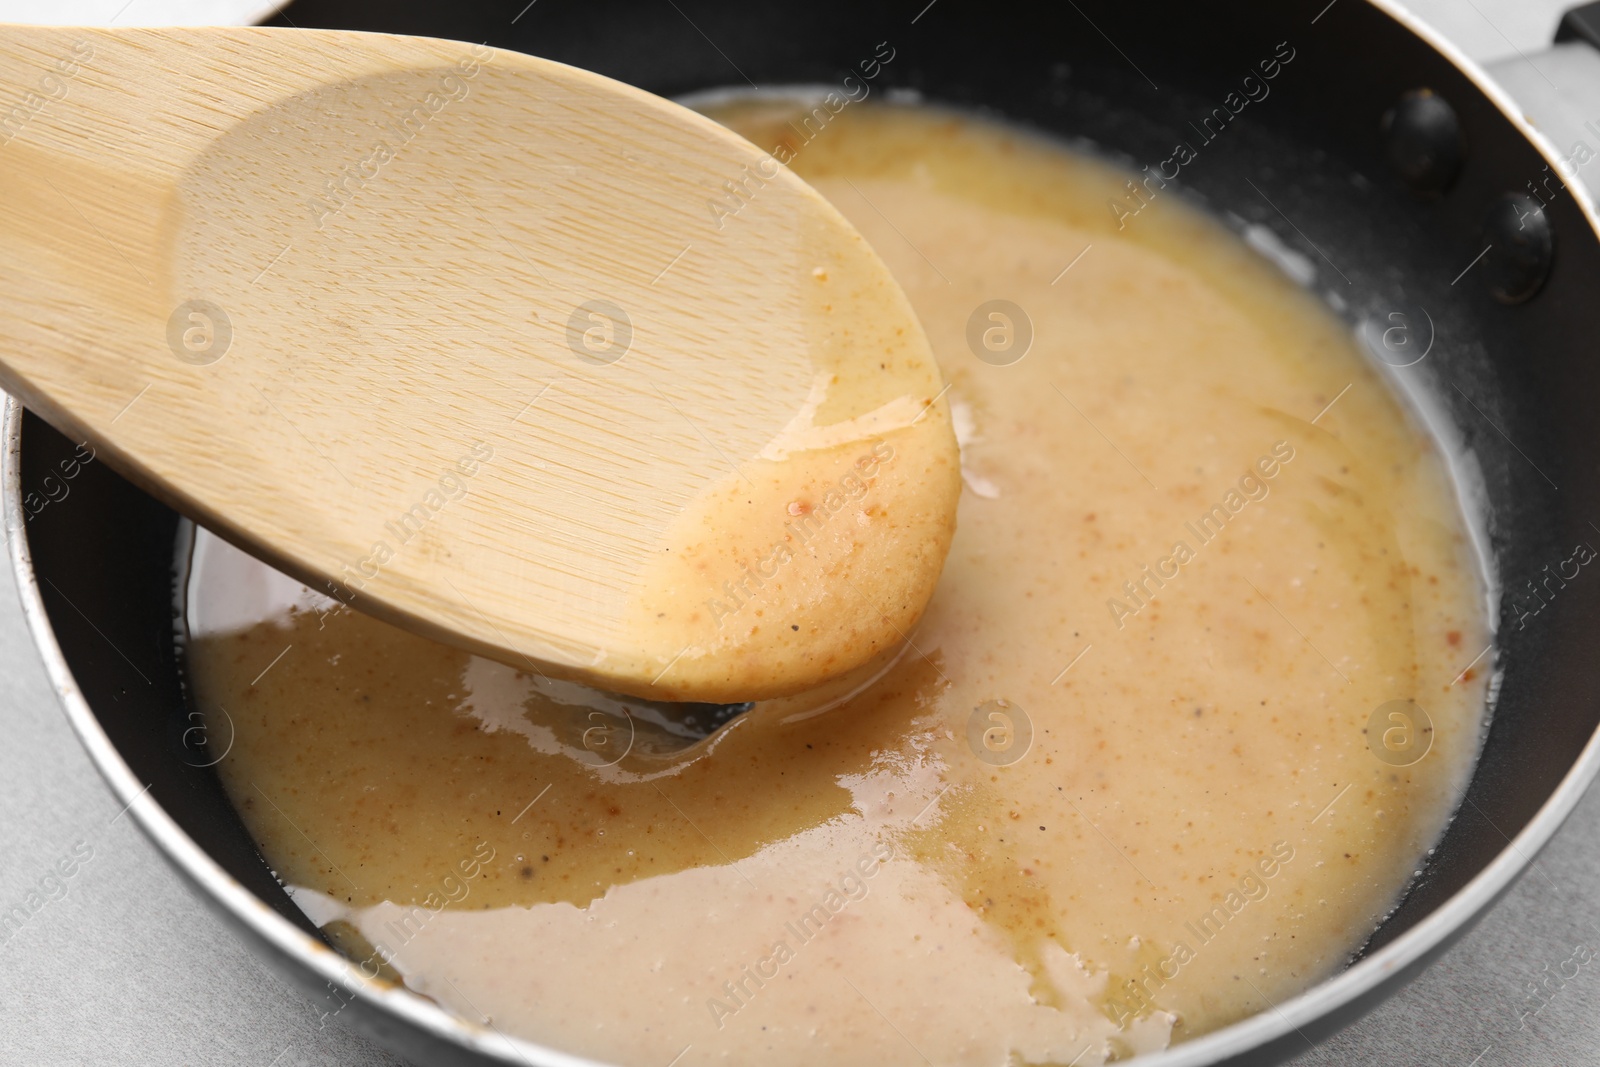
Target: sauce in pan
[(1186, 713)]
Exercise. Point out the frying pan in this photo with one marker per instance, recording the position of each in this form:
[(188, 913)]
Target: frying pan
[(1401, 201)]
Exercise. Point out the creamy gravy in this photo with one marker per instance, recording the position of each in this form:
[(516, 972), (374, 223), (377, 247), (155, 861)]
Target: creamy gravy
[(1117, 789)]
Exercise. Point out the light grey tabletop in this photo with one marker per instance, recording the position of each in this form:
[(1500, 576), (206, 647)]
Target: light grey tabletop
[(122, 965)]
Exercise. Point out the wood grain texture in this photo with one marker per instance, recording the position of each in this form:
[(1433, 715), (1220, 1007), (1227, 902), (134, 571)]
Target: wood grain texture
[(457, 336)]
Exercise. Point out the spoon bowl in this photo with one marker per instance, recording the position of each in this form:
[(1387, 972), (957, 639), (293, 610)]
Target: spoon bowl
[(499, 350)]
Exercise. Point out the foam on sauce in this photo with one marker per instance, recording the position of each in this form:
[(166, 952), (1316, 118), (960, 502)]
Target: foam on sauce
[(1115, 791)]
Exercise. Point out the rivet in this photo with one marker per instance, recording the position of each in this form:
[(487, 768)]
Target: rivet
[(1521, 248), (1424, 140)]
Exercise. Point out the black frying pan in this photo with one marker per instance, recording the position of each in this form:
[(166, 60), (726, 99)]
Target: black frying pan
[(1399, 192)]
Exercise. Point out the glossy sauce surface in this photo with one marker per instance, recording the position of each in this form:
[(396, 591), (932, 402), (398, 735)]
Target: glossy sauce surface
[(1121, 785)]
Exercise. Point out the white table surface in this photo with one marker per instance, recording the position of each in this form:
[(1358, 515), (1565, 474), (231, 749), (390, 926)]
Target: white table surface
[(127, 967)]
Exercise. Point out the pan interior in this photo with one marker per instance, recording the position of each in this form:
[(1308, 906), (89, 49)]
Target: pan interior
[(1321, 496)]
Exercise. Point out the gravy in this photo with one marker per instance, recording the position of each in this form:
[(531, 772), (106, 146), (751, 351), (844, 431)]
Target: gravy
[(1137, 774)]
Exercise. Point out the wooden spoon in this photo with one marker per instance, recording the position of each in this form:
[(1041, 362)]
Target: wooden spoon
[(502, 351)]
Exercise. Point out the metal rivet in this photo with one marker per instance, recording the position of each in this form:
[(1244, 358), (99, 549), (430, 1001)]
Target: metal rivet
[(1521, 247), (1424, 141)]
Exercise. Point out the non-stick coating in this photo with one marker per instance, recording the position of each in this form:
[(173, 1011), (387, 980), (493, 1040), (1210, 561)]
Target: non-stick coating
[(1517, 384)]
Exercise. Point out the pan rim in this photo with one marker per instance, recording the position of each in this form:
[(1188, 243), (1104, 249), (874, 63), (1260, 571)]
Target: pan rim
[(194, 863), (1427, 937)]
